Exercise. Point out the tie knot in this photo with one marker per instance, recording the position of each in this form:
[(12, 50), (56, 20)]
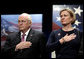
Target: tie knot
[(24, 35)]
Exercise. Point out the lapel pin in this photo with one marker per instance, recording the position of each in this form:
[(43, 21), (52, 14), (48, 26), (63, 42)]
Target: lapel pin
[(30, 35), (59, 34)]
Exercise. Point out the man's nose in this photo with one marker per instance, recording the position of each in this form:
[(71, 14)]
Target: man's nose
[(20, 22)]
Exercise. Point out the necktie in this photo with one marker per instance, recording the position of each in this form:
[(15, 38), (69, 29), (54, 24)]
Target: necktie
[(23, 37)]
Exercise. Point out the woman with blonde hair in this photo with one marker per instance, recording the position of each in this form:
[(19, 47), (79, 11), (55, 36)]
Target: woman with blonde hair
[(65, 41)]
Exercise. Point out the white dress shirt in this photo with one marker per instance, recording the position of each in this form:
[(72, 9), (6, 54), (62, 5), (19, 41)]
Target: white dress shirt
[(26, 34)]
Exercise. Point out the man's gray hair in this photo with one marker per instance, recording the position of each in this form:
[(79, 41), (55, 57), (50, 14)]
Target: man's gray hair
[(26, 14)]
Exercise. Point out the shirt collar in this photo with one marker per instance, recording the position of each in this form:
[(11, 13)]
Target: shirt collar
[(26, 32)]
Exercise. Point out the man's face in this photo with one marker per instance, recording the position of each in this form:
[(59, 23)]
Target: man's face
[(23, 23)]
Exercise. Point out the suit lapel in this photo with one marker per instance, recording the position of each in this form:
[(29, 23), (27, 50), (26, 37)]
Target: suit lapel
[(30, 35), (18, 37)]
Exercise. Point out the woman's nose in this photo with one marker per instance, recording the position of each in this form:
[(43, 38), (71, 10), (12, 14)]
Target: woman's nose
[(62, 18)]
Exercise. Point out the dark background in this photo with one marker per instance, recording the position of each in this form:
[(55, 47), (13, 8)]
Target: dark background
[(36, 7)]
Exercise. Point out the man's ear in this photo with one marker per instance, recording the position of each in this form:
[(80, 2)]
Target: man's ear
[(29, 22)]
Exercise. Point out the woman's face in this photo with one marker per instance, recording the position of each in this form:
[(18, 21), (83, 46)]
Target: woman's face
[(65, 18)]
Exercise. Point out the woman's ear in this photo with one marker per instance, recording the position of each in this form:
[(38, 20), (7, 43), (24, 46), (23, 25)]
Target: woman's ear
[(72, 21)]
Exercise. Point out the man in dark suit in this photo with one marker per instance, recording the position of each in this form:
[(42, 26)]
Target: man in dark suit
[(27, 43)]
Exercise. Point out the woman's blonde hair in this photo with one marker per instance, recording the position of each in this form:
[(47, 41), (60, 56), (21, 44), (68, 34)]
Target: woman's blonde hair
[(71, 14)]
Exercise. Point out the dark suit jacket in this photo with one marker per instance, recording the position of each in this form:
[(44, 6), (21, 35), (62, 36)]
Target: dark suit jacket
[(37, 50)]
